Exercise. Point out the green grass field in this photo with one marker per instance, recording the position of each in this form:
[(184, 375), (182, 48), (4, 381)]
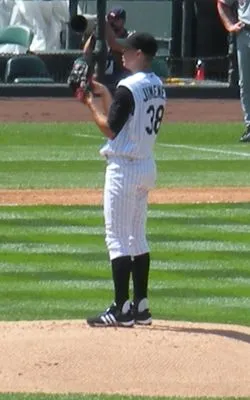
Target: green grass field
[(53, 260), (67, 155)]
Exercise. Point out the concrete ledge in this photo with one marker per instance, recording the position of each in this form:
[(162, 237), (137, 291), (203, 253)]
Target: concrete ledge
[(39, 90), (202, 91)]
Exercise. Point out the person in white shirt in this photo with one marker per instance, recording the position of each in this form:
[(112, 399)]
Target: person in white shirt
[(115, 29), (238, 22)]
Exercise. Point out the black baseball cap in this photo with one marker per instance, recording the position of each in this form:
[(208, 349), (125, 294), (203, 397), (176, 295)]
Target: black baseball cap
[(117, 13), (140, 41)]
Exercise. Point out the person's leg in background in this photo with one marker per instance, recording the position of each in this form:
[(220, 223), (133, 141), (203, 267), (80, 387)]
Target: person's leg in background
[(243, 54)]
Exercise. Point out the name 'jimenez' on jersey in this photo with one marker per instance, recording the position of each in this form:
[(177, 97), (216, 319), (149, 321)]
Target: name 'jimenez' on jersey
[(154, 92), (137, 137)]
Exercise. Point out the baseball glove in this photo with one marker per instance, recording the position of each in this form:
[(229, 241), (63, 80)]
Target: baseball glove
[(80, 78)]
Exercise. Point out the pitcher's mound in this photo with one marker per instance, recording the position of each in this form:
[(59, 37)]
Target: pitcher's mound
[(166, 359)]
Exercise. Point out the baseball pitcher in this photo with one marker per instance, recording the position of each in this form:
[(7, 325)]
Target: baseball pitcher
[(131, 122)]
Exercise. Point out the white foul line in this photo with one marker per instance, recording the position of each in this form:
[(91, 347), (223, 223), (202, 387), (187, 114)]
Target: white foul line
[(184, 146), (181, 146), (85, 135)]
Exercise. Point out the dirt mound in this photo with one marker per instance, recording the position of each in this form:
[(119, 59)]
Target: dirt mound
[(166, 359)]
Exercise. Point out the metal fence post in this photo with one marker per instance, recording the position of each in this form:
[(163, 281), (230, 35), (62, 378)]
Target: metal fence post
[(100, 50), (72, 40), (176, 38), (186, 40)]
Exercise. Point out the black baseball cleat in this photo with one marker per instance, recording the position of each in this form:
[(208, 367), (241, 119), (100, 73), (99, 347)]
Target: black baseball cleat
[(114, 316), (246, 135), (141, 312)]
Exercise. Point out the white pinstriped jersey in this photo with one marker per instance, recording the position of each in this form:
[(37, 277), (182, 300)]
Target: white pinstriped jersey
[(137, 137)]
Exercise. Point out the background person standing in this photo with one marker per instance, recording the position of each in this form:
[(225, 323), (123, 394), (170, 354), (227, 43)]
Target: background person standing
[(115, 29), (235, 15)]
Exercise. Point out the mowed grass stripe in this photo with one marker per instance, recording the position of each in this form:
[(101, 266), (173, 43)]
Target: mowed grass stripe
[(68, 134), (69, 166), (198, 273), (56, 153), (171, 174), (50, 166), (67, 155), (65, 248), (164, 151)]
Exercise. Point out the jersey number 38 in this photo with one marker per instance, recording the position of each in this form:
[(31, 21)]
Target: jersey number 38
[(155, 118)]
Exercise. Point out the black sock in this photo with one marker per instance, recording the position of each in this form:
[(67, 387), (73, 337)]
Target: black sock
[(121, 268), (140, 273)]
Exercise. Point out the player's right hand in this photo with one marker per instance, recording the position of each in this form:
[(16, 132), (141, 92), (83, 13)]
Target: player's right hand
[(98, 88), (235, 28), (84, 96)]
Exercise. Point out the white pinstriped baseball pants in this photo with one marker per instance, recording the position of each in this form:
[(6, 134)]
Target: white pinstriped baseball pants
[(127, 183)]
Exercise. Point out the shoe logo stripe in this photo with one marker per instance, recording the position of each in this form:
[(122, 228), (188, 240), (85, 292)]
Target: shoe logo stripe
[(108, 319), (112, 318), (103, 318)]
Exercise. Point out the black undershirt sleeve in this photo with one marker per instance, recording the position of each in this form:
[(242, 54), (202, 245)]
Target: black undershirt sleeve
[(121, 108)]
